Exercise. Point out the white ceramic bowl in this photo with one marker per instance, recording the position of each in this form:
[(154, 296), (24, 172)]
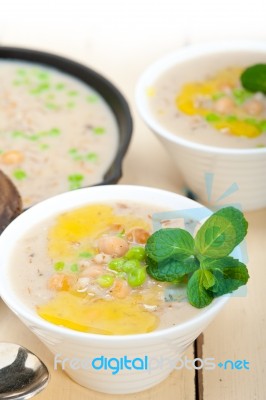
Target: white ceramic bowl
[(163, 346), (210, 171)]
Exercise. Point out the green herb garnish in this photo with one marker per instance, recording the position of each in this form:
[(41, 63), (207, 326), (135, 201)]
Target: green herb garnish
[(173, 255), (19, 174), (254, 78)]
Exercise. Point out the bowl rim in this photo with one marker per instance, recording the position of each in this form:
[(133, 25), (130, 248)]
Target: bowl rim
[(71, 200), (189, 53), (78, 70)]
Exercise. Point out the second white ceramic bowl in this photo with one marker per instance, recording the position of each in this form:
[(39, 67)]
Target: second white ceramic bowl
[(211, 173)]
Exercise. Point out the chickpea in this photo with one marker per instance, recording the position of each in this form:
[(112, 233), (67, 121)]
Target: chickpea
[(120, 289), (113, 245), (102, 258), (138, 235), (224, 105), (60, 282), (253, 107), (12, 157), (83, 283), (92, 271)]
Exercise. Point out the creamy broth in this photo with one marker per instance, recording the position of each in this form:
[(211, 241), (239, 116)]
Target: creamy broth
[(186, 101), (56, 133), (58, 270)]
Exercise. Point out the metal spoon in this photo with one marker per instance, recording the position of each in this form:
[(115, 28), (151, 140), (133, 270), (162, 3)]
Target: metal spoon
[(22, 373)]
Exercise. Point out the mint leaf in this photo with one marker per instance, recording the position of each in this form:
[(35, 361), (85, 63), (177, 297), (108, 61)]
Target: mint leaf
[(229, 274), (221, 233), (254, 78), (198, 295), (208, 279), (169, 242), (171, 270)]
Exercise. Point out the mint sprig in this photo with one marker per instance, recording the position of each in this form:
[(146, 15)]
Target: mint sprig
[(176, 243), (253, 78), (173, 255)]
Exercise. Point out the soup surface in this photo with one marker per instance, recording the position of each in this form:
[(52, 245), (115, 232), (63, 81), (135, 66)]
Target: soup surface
[(210, 108), (56, 133), (85, 270)]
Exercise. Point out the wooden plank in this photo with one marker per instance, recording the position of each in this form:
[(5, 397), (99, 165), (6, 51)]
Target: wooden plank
[(238, 333)]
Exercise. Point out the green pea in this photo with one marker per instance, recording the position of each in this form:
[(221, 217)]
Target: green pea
[(85, 254), (136, 253), (117, 264), (131, 265), (74, 268), (212, 118), (136, 277), (105, 281), (59, 265)]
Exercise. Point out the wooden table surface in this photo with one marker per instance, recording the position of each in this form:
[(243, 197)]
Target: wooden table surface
[(120, 50)]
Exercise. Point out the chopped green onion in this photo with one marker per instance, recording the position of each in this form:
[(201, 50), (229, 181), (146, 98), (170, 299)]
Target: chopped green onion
[(40, 88), (98, 130), (18, 134), (217, 96), (19, 174), (253, 122), (44, 146), (51, 106), (92, 98), (85, 254), (231, 118), (262, 125), (33, 138), (72, 93), (74, 268), (59, 265), (75, 181), (212, 118), (71, 104), (92, 157), (73, 150), (241, 95), (60, 86), (21, 71), (54, 132), (43, 75)]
